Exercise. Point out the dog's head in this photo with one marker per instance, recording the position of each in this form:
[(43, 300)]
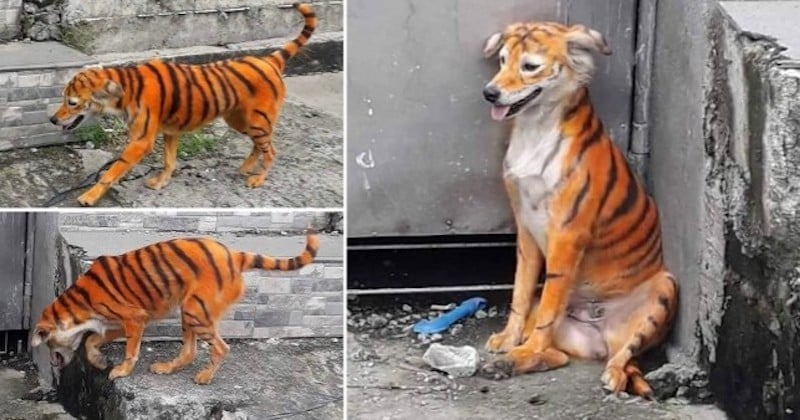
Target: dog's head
[(90, 92), (62, 333), (540, 62)]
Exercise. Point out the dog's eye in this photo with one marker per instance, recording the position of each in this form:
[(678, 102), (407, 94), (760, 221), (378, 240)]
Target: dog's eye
[(502, 60), (72, 102), (529, 67)]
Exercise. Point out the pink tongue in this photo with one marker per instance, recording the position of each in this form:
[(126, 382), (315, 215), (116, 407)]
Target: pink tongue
[(499, 112)]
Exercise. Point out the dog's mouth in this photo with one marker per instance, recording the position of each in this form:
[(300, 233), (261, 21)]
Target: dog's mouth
[(76, 122), (56, 359), (504, 112)]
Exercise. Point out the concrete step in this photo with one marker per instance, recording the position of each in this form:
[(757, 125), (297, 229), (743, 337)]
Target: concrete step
[(117, 25), (257, 380)]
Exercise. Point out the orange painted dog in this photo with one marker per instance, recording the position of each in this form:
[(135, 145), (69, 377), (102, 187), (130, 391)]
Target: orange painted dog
[(118, 295), (581, 214), (163, 97)]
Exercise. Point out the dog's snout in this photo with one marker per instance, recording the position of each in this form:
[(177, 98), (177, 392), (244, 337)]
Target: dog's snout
[(54, 120), (491, 93)]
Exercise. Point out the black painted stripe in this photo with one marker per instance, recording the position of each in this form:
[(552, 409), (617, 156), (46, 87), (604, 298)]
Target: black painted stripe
[(137, 76), (211, 261), (307, 32), (551, 155), (285, 54), (311, 250), (62, 300), (277, 72), (83, 294), (146, 126), (644, 240), (223, 87), (109, 276), (578, 200), (217, 107), (593, 138), (206, 100), (549, 324), (549, 276), (182, 255), (54, 314), (189, 80), (228, 83), (199, 322), (631, 196), (165, 260), (95, 278), (611, 182), (262, 75), (161, 88), (160, 273), (631, 228), (266, 117), (258, 261), (247, 83), (582, 101), (203, 306), (125, 264), (175, 103), (111, 311), (122, 279), (150, 280), (230, 263)]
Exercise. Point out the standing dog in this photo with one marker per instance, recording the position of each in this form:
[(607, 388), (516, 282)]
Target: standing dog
[(582, 216), (170, 98)]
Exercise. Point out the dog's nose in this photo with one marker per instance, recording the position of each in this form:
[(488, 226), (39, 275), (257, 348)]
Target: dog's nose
[(491, 93), (54, 120)]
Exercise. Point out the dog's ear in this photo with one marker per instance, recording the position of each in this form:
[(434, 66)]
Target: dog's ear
[(38, 337), (492, 45), (586, 39), (113, 89)]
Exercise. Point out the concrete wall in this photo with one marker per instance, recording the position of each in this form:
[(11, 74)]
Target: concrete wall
[(50, 271), (303, 303), (100, 26), (9, 18), (201, 222), (724, 172)]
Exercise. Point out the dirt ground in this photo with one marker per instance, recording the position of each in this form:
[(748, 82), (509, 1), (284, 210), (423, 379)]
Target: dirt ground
[(387, 379), (308, 171)]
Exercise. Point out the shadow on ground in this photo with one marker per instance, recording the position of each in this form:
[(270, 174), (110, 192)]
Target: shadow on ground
[(308, 171)]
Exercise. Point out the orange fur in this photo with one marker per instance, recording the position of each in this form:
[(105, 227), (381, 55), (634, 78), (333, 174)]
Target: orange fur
[(159, 97), (118, 295), (583, 218)]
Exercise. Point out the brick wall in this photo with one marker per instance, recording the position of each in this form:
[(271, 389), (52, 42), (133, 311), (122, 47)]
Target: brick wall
[(202, 222), (303, 303), (9, 18)]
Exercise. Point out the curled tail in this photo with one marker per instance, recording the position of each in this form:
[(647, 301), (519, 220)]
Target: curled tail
[(249, 260), (290, 49)]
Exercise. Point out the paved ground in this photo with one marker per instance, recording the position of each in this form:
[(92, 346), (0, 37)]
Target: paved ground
[(19, 395), (387, 380), (298, 379), (308, 171)]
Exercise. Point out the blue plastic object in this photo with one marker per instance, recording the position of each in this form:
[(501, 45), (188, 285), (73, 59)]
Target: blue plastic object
[(466, 309)]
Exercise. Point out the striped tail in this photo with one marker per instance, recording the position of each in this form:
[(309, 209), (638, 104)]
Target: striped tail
[(249, 260), (290, 49)]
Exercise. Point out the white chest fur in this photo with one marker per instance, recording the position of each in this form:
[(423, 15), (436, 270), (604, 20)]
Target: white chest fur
[(534, 162)]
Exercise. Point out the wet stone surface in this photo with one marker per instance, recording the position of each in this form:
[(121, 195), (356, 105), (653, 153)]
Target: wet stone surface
[(259, 379)]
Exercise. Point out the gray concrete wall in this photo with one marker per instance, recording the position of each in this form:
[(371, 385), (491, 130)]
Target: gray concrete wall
[(425, 158), (9, 18), (724, 172), (100, 26), (50, 272)]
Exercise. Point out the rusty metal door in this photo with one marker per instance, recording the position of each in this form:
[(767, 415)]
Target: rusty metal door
[(424, 158), (13, 227)]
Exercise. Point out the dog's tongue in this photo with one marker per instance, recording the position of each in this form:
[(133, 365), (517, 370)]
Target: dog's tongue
[(499, 112)]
